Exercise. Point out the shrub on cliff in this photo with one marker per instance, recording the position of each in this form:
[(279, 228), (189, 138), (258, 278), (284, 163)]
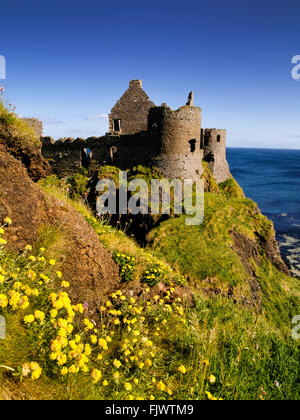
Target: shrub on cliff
[(231, 189), (19, 140), (15, 130)]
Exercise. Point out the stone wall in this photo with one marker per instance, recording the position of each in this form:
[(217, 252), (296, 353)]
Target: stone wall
[(141, 133), (67, 156), (36, 124), (130, 114), (179, 135), (173, 144), (64, 155), (214, 145)]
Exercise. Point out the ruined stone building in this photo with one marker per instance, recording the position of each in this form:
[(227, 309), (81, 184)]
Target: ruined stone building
[(141, 133)]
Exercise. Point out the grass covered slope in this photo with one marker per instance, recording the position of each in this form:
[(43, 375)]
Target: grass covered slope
[(146, 347), (230, 250)]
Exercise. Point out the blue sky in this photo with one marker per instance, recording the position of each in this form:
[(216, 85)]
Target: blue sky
[(69, 61)]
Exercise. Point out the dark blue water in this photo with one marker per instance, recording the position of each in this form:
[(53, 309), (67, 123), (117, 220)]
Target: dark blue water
[(271, 177)]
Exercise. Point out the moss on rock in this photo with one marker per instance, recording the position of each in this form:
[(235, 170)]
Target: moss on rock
[(231, 189)]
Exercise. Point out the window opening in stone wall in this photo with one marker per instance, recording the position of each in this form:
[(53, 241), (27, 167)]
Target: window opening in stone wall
[(193, 145), (117, 125), (218, 139), (86, 156)]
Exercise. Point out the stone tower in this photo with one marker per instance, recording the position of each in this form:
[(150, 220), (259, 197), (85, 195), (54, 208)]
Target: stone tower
[(130, 113), (179, 135), (141, 133), (214, 146)]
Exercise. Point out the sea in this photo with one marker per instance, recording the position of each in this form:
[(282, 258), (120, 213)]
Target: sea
[(271, 177)]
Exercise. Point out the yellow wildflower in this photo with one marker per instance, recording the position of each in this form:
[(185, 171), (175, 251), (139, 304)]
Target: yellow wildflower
[(128, 386), (212, 379), (117, 363), (64, 371), (29, 319), (96, 376), (182, 369)]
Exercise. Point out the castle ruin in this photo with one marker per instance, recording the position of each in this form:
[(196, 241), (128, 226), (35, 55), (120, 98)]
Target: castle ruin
[(141, 133)]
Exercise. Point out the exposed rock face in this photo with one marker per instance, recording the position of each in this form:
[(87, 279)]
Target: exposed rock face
[(248, 250), (84, 262), (30, 156), (271, 248)]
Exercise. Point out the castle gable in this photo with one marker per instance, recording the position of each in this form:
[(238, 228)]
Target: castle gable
[(130, 113)]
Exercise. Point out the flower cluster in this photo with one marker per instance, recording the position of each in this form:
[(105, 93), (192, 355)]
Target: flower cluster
[(119, 352), (126, 264), (158, 271), (32, 369)]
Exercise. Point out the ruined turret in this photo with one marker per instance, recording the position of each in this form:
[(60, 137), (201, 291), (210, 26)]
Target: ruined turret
[(179, 134), (214, 147)]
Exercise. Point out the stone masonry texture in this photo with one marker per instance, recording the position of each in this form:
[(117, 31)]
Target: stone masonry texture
[(141, 133), (131, 110)]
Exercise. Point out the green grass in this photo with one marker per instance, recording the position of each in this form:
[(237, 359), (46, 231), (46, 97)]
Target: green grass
[(249, 353), (207, 251), (231, 189), (112, 238), (14, 130), (245, 354)]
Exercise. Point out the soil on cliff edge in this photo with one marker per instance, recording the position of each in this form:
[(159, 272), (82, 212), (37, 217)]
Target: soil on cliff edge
[(83, 261)]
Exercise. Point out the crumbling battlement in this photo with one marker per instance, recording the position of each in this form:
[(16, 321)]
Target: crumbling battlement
[(141, 133)]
